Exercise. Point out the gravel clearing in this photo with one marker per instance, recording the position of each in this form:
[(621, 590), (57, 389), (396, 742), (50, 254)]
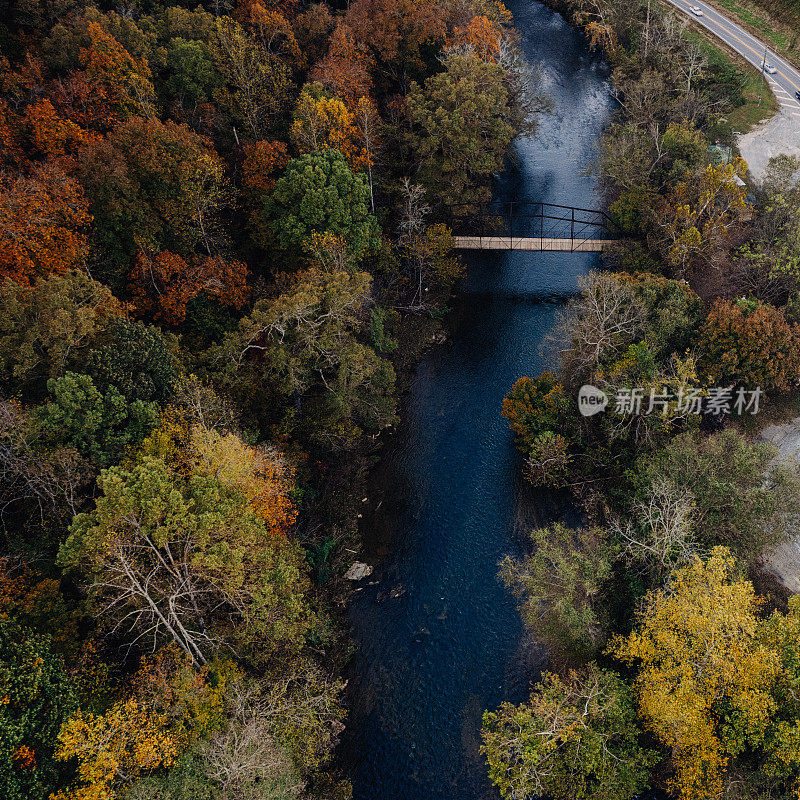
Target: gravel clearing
[(783, 560), (778, 135)]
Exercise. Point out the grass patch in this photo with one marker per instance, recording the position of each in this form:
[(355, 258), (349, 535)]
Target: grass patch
[(747, 111), (758, 21), (780, 32)]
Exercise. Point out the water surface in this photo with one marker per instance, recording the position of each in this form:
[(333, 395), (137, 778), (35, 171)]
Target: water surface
[(439, 637)]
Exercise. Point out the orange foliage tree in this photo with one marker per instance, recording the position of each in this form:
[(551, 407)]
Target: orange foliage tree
[(162, 285), (261, 163), (113, 748), (750, 343), (345, 70), (481, 35), (259, 473), (85, 101), (128, 79), (325, 122), (271, 28), (42, 224), (51, 134), (535, 406)]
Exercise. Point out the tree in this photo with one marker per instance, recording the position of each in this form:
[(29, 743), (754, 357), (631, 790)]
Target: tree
[(271, 28), (704, 679), (127, 79), (44, 485), (368, 122), (346, 69), (312, 29), (319, 193), (780, 762), (37, 698), (178, 176), (598, 326), (672, 312), (154, 186), (750, 343), (163, 285), (481, 35), (535, 409), (258, 83), (49, 326), (43, 218), (113, 748), (194, 75), (260, 474), (100, 426), (263, 160), (560, 588), (183, 558), (192, 701), (660, 536), (462, 132), (322, 122), (271, 735), (396, 32), (771, 259), (303, 346), (242, 759), (534, 406), (573, 740), (136, 359), (428, 252), (51, 134), (741, 499), (697, 217)]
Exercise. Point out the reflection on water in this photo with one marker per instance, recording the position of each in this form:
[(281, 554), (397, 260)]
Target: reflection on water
[(439, 637)]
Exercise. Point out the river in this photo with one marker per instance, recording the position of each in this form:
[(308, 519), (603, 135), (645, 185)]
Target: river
[(439, 638)]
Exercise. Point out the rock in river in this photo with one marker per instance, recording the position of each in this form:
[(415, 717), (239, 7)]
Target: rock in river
[(357, 571)]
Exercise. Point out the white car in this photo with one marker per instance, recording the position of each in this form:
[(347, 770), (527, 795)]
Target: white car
[(769, 69), (696, 10)]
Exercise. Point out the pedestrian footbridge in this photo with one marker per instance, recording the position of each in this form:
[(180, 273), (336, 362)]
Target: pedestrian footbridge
[(531, 226)]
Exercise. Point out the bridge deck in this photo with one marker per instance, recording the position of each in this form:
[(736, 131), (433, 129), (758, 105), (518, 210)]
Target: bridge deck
[(530, 243)]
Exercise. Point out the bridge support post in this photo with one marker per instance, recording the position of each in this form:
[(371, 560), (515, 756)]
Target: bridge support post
[(572, 231)]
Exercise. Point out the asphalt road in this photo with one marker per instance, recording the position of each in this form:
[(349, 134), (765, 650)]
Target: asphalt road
[(784, 83)]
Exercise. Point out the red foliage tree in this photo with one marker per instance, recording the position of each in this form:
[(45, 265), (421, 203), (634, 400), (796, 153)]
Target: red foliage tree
[(51, 134)]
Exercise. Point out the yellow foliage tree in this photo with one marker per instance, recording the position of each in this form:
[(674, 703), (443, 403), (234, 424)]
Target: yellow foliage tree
[(323, 122), (705, 678), (259, 473), (697, 217), (117, 746)]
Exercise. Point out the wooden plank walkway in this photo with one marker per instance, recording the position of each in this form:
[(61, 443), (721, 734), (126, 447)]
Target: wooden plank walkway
[(527, 243)]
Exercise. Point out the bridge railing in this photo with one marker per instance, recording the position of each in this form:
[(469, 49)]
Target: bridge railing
[(530, 219)]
